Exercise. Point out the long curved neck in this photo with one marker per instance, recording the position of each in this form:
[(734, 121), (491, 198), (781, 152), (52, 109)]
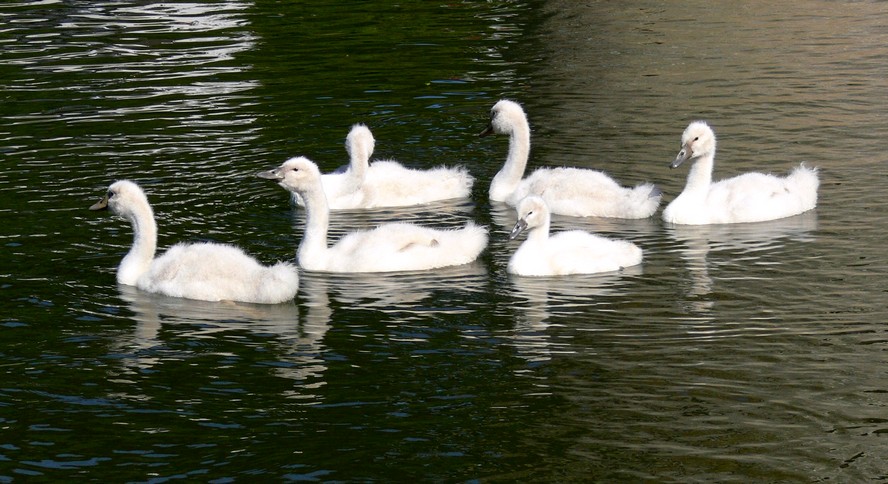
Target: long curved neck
[(313, 247), (139, 258), (506, 180), (700, 175)]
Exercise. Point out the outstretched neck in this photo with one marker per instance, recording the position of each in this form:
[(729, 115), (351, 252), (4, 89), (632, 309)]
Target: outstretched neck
[(507, 179), (313, 247), (139, 258)]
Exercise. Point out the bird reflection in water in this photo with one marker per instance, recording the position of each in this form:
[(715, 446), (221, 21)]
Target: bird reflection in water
[(747, 244), (160, 319)]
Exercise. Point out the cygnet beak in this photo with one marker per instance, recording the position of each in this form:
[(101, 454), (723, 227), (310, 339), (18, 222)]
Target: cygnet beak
[(487, 131), (684, 155), (101, 204), (519, 227), (274, 174)]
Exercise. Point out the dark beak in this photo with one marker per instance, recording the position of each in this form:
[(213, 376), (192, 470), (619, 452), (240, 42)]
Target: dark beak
[(683, 155), (487, 131), (519, 227)]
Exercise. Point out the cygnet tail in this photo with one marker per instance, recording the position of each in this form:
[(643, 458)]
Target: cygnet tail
[(278, 283), (643, 200), (463, 245), (454, 181), (466, 180), (804, 182)]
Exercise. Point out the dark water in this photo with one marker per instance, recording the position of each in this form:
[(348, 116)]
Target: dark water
[(741, 353)]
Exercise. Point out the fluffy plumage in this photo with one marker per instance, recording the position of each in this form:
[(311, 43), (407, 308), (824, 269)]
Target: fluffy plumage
[(750, 197), (570, 252), (568, 191), (205, 271), (389, 247), (387, 183)]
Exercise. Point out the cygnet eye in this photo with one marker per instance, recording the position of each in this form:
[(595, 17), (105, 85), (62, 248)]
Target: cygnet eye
[(695, 139), (110, 194)]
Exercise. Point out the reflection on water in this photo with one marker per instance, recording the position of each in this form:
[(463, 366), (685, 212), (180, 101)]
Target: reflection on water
[(409, 295), (299, 344), (539, 300), (746, 244)]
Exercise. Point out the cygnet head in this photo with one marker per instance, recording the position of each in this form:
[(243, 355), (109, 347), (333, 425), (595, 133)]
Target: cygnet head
[(122, 199), (504, 116), (532, 212), (360, 142), (297, 174), (697, 140)]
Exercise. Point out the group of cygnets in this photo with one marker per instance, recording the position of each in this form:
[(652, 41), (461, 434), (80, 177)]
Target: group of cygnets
[(215, 272)]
